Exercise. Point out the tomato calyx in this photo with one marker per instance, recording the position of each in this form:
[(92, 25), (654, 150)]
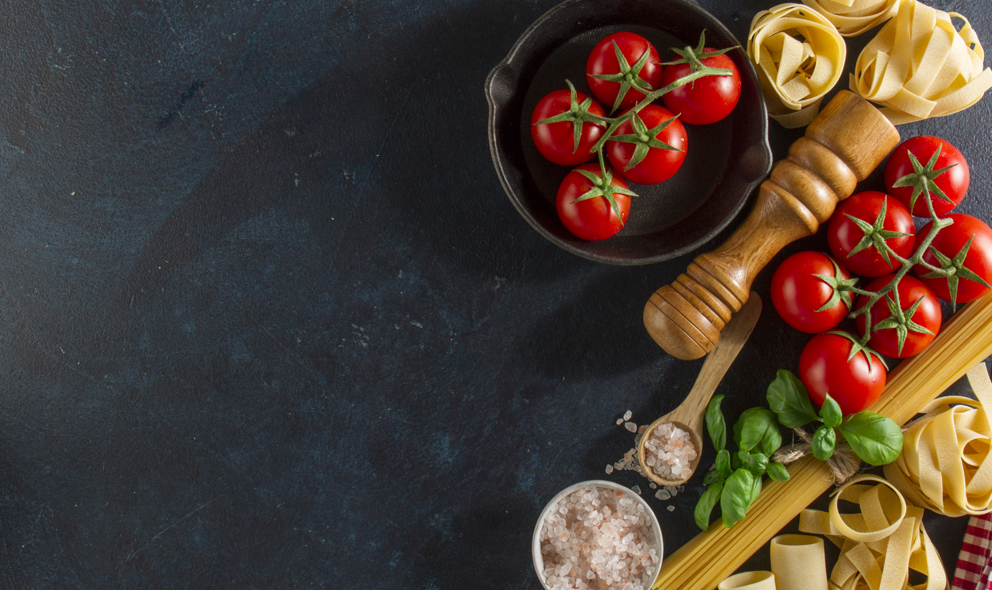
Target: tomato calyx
[(876, 236), (901, 320), (602, 187), (644, 139), (577, 114), (842, 288), (628, 77), (859, 346), (694, 56), (953, 269), (922, 180)]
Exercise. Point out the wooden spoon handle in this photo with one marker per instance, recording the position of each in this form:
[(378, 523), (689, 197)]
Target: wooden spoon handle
[(841, 147), (691, 411)]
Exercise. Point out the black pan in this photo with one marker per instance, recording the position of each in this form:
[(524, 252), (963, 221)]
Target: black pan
[(724, 161)]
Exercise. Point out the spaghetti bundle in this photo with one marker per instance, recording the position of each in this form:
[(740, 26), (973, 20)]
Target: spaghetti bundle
[(945, 464), (920, 66), (799, 57), (853, 17)]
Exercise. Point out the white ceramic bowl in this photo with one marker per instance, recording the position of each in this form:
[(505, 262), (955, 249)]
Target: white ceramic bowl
[(596, 483)]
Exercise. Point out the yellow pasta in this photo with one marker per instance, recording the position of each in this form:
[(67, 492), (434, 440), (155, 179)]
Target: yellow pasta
[(944, 466), (749, 581), (919, 66), (700, 564), (879, 544), (853, 17), (799, 57), (798, 562)]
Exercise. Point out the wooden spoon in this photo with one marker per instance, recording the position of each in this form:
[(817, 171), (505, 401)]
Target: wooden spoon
[(688, 416)]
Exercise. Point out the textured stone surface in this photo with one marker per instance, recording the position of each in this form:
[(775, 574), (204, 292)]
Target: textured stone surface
[(267, 319)]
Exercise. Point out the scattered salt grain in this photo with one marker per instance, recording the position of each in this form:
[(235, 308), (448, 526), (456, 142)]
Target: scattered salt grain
[(627, 415), (671, 508), (669, 452), (636, 490), (630, 426), (600, 539), (609, 469), (663, 494), (619, 421), (653, 486)]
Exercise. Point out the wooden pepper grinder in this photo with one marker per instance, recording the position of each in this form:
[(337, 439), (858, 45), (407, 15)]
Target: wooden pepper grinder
[(841, 147)]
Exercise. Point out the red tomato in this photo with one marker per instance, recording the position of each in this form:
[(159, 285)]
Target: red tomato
[(824, 368), (641, 141), (556, 141), (859, 250), (798, 294), (592, 218), (977, 261), (708, 99), (886, 329), (618, 84), (953, 182)]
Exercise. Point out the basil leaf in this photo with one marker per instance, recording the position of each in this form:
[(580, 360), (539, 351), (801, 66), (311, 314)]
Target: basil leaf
[(736, 496), (824, 441), (712, 477), (830, 412), (706, 504), (723, 464), (777, 471), (715, 423), (757, 463), (787, 397), (760, 431), (755, 490), (877, 440)]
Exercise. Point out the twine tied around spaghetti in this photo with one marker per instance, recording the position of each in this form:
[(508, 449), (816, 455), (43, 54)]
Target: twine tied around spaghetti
[(843, 464)]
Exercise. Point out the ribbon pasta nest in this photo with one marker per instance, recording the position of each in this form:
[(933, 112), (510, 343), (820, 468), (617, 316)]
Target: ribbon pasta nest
[(879, 544), (799, 57), (945, 464), (920, 66)]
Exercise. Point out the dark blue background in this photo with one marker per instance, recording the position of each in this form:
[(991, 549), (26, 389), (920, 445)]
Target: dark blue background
[(267, 319)]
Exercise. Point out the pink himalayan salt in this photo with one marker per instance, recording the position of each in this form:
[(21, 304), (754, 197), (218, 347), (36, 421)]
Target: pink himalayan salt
[(598, 538), (669, 452)]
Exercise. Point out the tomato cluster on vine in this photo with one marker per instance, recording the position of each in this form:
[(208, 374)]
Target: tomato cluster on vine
[(872, 235), (646, 143)]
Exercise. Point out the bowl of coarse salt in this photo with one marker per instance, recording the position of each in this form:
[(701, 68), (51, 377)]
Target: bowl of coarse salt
[(596, 535)]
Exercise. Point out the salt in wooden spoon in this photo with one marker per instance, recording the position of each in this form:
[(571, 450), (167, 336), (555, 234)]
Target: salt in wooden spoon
[(688, 416)]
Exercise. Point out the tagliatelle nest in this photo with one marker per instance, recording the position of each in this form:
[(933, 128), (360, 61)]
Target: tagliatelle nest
[(799, 57), (920, 66)]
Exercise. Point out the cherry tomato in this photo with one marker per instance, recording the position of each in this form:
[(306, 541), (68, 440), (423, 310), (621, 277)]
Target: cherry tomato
[(592, 218), (708, 99), (918, 330), (644, 136), (798, 294), (953, 182), (622, 85), (556, 141), (976, 262), (824, 368), (858, 250)]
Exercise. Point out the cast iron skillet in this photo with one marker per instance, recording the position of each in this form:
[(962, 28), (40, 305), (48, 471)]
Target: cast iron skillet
[(724, 161)]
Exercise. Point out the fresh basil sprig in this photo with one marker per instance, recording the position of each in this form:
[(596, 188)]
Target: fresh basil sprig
[(875, 439), (735, 480)]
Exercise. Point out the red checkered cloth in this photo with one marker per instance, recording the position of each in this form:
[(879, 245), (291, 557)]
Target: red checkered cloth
[(975, 560)]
